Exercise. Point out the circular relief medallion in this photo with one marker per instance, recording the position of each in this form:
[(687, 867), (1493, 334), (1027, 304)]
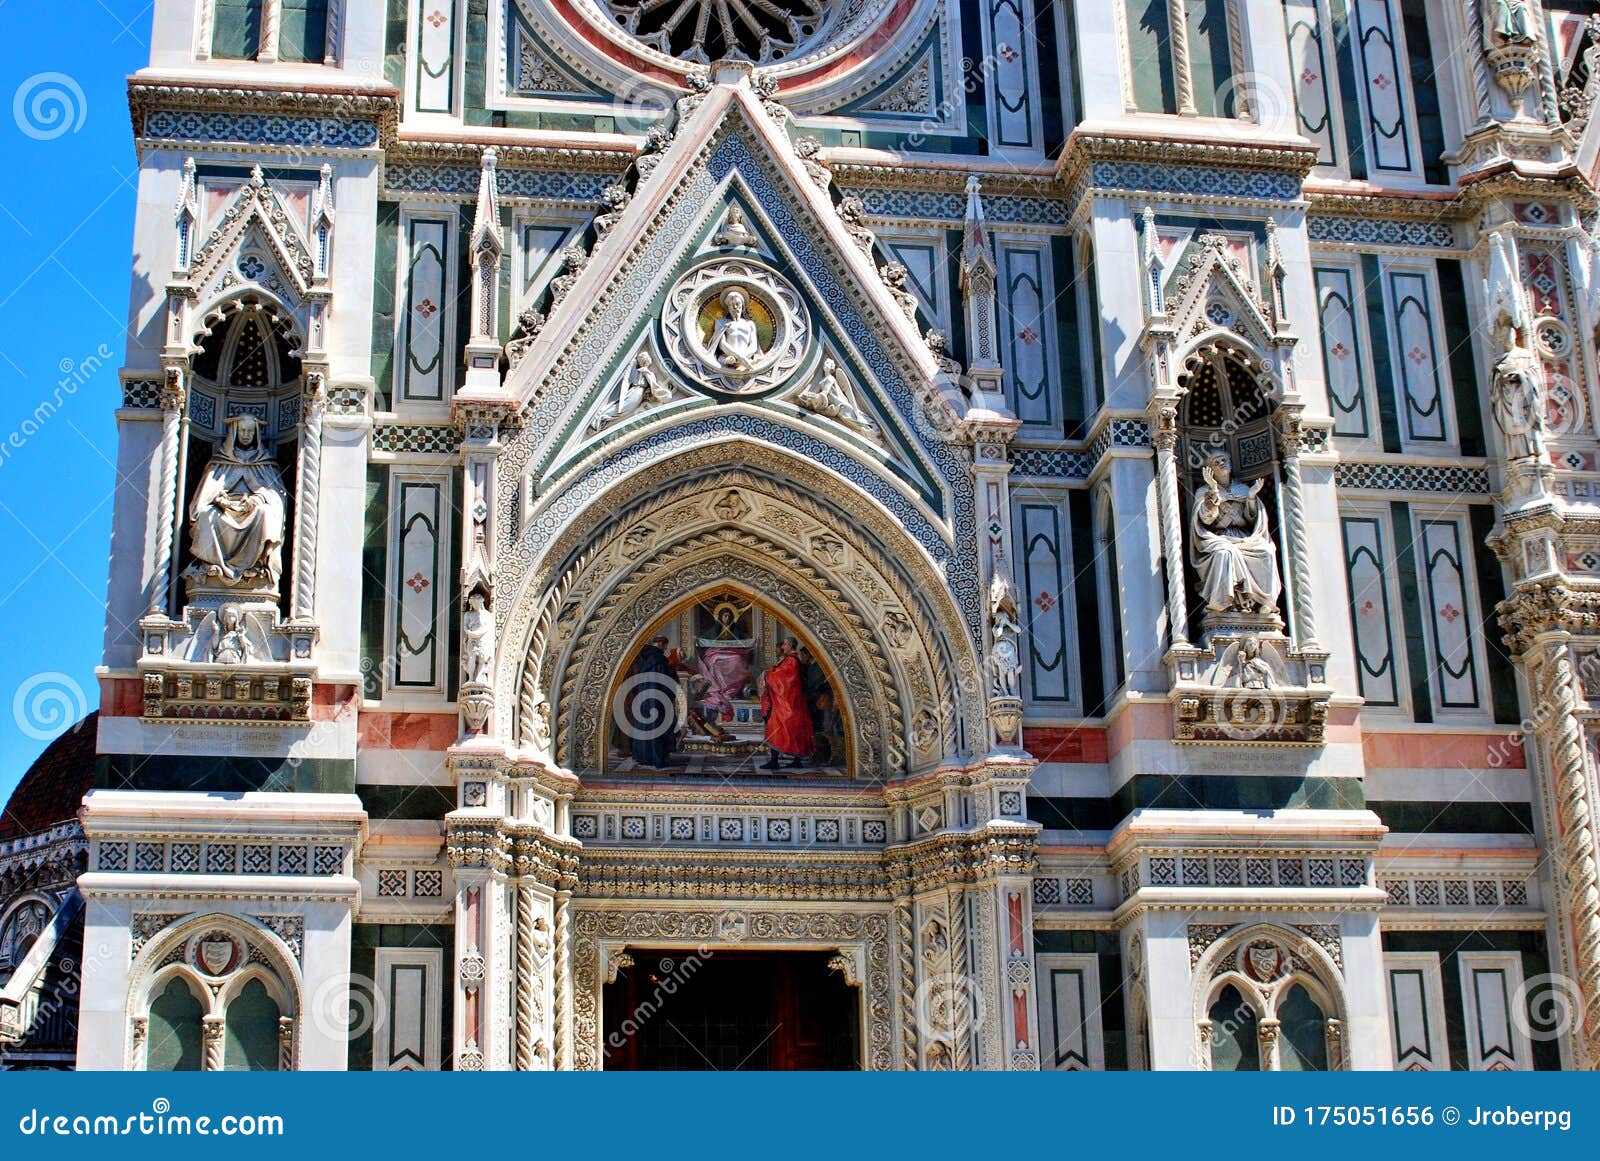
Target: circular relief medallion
[(1552, 338), (735, 327)]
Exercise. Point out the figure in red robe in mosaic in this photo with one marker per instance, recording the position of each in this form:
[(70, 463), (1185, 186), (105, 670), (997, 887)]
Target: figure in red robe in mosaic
[(784, 705)]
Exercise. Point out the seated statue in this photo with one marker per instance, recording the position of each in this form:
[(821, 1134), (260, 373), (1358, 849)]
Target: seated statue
[(236, 520), (1232, 550)]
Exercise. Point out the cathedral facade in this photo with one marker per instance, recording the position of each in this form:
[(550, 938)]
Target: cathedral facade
[(899, 534)]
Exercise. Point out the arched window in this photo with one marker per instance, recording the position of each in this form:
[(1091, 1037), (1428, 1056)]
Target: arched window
[(224, 999), (1235, 1033), (18, 933), (1302, 1034), (1267, 1001), (174, 1037), (252, 1030)]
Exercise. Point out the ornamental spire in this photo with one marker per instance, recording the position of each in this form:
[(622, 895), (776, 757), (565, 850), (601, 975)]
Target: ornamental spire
[(186, 217), (978, 289), (488, 244)]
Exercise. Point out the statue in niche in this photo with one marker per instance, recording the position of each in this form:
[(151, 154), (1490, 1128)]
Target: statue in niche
[(1517, 399), (236, 519), (477, 632), (642, 388), (231, 646), (827, 396), (1233, 552), (735, 343)]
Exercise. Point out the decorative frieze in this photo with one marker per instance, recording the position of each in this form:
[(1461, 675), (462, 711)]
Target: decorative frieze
[(1394, 477), (659, 828), (284, 131), (1246, 870), (1447, 892), (461, 181), (1339, 230), (418, 438), (201, 855)]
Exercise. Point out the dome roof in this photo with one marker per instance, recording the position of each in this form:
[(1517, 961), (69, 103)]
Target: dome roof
[(54, 786)]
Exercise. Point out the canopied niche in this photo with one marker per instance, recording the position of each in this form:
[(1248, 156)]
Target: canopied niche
[(244, 411), (1244, 657), (229, 629), (1228, 449)]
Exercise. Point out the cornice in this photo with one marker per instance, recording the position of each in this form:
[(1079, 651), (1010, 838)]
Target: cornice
[(574, 153), (341, 101), (854, 169), (1089, 144)]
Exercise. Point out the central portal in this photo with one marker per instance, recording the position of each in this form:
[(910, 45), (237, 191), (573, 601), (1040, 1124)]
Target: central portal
[(731, 1011)]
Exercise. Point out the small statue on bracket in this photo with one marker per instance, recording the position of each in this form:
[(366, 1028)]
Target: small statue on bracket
[(477, 632), (1517, 399)]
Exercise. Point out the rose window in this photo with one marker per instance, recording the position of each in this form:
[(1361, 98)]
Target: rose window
[(762, 31)]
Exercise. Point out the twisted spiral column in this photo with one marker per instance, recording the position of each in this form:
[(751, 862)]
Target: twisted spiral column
[(1171, 527), (526, 979), (1178, 33), (563, 1004), (166, 512), (1294, 513), (307, 490), (960, 967), (1575, 817), (905, 950)]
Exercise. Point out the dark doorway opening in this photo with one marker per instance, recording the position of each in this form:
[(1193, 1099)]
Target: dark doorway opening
[(731, 1011)]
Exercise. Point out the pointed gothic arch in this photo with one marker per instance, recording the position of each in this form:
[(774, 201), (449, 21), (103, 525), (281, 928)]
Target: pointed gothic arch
[(875, 599), (213, 957), (1271, 967)]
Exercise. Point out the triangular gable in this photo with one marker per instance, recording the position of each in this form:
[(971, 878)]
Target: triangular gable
[(1212, 293), (885, 435), (255, 212), (731, 142)]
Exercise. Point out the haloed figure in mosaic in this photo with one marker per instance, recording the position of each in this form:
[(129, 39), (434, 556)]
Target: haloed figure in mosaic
[(237, 517)]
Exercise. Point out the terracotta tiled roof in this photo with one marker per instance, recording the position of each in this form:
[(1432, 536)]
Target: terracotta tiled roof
[(53, 787)]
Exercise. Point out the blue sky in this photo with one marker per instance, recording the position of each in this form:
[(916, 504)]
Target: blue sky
[(66, 229)]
